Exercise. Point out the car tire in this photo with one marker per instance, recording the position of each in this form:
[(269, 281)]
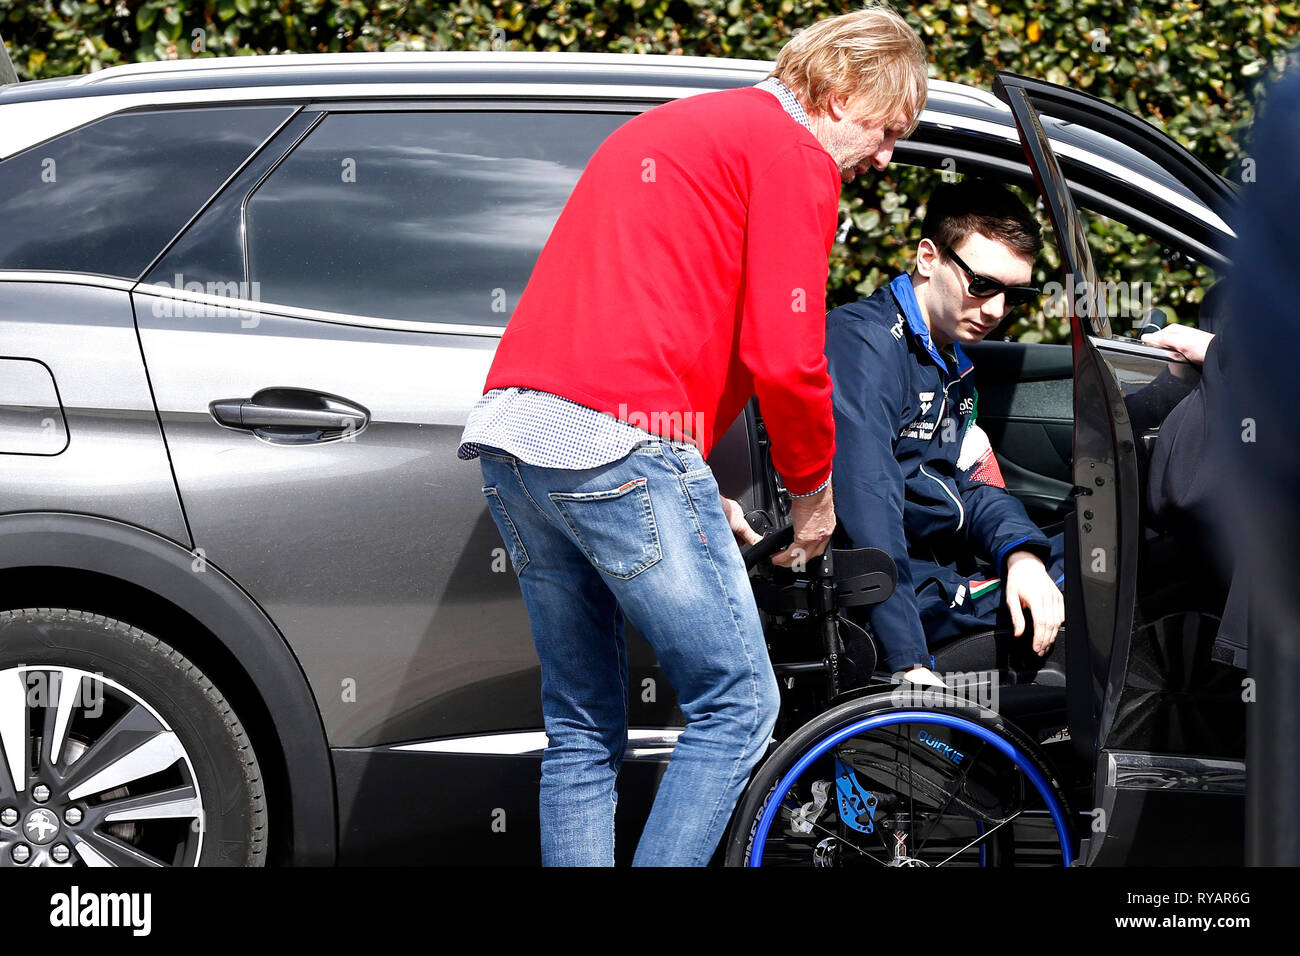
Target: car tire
[(132, 755)]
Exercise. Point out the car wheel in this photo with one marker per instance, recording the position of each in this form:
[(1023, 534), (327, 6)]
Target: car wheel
[(116, 750)]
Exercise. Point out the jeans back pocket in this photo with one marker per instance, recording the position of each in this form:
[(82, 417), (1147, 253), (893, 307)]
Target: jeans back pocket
[(616, 529)]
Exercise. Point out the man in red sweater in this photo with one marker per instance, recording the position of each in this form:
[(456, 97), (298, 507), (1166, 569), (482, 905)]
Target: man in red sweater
[(686, 273)]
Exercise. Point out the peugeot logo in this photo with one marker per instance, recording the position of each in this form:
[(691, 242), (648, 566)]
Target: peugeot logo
[(41, 826)]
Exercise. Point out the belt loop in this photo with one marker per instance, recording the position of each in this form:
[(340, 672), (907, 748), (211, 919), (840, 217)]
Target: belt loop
[(672, 447)]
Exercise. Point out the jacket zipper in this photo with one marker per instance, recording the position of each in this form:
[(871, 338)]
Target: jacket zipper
[(961, 511)]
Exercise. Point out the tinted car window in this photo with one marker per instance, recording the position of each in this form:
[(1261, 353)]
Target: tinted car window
[(211, 252), (434, 216), (108, 197)]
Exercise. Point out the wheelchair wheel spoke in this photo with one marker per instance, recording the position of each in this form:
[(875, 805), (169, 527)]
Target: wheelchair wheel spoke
[(982, 836), (911, 776), (849, 843), (786, 805), (958, 782), (884, 844)]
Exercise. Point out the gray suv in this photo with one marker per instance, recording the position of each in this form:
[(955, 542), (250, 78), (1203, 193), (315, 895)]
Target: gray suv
[(253, 608)]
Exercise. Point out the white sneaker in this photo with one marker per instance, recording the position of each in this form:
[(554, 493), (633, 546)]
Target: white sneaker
[(922, 675)]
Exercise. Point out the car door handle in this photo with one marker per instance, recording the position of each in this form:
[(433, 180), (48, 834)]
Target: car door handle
[(291, 415), (248, 414)]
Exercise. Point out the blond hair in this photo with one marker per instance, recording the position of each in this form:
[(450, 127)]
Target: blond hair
[(871, 53)]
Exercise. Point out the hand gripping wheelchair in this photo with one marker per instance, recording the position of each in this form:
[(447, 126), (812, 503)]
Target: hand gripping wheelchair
[(871, 772)]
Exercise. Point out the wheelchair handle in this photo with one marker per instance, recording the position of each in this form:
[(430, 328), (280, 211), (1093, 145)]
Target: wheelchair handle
[(780, 538)]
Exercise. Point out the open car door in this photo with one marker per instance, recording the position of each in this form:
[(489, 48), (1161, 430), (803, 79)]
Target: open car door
[(1098, 549), (1160, 722)]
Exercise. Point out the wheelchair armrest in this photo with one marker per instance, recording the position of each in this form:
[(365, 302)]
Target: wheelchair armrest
[(863, 576)]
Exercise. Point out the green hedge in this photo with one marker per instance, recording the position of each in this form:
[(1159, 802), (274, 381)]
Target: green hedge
[(1195, 70)]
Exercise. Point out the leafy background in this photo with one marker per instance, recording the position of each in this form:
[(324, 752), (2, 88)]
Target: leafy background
[(1197, 70)]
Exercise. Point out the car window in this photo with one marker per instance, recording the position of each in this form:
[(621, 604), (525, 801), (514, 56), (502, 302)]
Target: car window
[(108, 197), (424, 216), (1140, 274)]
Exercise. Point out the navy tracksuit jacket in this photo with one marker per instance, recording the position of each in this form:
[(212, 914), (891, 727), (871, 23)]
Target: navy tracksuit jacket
[(915, 477)]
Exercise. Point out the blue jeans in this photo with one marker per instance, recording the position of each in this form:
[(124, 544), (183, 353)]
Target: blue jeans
[(644, 537)]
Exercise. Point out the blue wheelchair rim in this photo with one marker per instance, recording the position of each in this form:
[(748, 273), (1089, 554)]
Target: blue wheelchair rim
[(912, 717)]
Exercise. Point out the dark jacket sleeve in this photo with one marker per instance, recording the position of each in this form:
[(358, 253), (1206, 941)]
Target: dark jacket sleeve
[(1186, 497), (867, 366)]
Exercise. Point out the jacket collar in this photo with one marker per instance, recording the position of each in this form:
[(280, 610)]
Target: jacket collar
[(905, 296)]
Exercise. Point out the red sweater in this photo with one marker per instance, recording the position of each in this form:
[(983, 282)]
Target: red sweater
[(688, 272)]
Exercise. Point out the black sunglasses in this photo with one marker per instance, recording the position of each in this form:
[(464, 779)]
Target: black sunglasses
[(982, 287)]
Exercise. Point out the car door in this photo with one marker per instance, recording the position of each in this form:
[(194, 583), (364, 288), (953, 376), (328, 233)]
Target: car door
[(1161, 722), (81, 218), (315, 341)]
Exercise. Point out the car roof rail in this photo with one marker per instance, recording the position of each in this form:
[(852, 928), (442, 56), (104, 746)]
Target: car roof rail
[(8, 74)]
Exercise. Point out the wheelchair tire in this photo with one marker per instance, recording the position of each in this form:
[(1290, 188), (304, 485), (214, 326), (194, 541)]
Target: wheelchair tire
[(939, 784)]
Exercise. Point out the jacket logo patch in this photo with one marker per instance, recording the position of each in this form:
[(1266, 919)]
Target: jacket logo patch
[(897, 330), (926, 399), (967, 405), (919, 429)]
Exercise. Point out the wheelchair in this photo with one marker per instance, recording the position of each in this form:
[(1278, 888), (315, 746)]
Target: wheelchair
[(1104, 754), (1125, 747), (871, 772)]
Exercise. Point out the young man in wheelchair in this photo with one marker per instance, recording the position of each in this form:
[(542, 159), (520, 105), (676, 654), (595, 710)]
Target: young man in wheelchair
[(915, 475)]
